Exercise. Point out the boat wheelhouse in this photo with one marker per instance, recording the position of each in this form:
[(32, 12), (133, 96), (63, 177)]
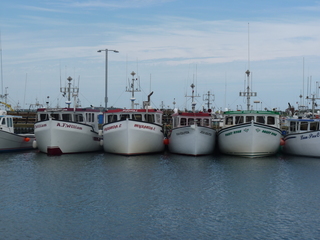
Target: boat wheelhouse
[(270, 118), (183, 119)]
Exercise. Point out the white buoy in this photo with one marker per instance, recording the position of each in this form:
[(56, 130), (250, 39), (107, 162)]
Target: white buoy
[(34, 144)]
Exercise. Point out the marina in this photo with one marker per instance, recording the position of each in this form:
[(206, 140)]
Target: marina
[(190, 151)]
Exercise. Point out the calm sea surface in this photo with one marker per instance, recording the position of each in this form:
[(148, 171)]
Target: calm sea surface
[(162, 196)]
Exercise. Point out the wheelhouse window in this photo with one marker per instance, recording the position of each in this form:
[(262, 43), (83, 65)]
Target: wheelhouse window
[(199, 122), (137, 117), (43, 117), (249, 118), (158, 118), (206, 122), (292, 126), (190, 121), (124, 116), (183, 121), (229, 121), (9, 122), (314, 126), (112, 118), (90, 117), (3, 121), (55, 116), (260, 119), (304, 126), (150, 118), (271, 120), (239, 119), (79, 118), (66, 117)]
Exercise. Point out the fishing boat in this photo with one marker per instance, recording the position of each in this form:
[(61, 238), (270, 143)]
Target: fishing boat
[(9, 140), (67, 130), (133, 131), (303, 134), (303, 137), (250, 133), (192, 132)]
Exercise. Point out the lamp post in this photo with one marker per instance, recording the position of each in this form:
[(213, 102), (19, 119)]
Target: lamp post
[(106, 89)]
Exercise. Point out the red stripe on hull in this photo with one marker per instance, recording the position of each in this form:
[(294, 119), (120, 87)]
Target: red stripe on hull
[(54, 151)]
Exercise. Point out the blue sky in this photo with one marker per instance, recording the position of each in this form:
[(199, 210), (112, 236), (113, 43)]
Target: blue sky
[(169, 43)]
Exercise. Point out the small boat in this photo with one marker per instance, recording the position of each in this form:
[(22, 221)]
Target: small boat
[(303, 135), (67, 130), (250, 133), (192, 132), (133, 131), (9, 140)]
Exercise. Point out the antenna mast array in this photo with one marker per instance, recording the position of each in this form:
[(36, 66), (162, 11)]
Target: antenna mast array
[(70, 91), (193, 103), (207, 97), (132, 89)]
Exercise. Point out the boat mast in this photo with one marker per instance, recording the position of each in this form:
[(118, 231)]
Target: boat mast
[(248, 93), (207, 97), (193, 103)]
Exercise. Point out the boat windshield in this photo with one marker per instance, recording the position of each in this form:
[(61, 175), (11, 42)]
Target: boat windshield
[(303, 126), (231, 120)]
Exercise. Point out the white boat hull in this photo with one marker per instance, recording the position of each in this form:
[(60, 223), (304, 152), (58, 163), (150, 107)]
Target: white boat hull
[(302, 144), (58, 137), (132, 138), (15, 142), (192, 140), (249, 140)]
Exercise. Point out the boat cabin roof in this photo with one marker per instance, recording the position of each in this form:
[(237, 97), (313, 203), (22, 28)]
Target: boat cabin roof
[(252, 112), (303, 119), (120, 110), (191, 114), (143, 115), (67, 110)]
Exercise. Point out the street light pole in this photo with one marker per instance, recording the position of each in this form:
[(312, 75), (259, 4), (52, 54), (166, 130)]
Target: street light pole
[(106, 87)]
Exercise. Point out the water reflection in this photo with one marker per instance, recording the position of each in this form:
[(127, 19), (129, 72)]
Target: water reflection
[(160, 196)]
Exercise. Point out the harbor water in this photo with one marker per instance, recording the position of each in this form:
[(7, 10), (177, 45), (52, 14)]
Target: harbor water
[(159, 196)]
